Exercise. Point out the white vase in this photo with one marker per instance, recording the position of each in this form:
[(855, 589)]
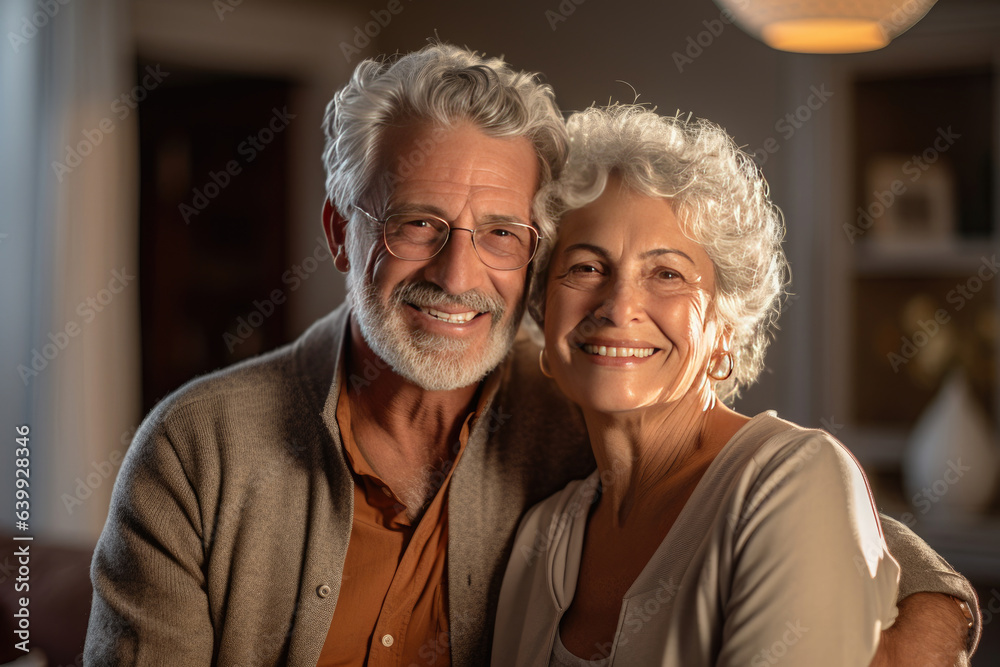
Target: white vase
[(953, 459)]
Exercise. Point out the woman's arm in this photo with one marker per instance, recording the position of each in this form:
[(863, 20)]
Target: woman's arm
[(812, 582)]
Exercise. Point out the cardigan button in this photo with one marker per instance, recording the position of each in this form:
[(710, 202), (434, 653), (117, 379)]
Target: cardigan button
[(323, 591)]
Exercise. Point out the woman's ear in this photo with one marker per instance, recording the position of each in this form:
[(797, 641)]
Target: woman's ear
[(335, 228)]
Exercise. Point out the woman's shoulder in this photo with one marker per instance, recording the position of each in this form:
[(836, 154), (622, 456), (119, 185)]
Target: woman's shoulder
[(779, 444), (807, 467)]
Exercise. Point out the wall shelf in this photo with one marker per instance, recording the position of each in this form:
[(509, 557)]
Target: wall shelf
[(956, 256)]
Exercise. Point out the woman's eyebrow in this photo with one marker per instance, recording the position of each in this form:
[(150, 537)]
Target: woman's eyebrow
[(657, 252), (597, 250)]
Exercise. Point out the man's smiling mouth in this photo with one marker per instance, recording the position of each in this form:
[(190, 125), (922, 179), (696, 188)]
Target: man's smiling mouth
[(451, 318)]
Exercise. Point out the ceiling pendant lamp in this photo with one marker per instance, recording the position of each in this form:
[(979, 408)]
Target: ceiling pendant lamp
[(826, 26)]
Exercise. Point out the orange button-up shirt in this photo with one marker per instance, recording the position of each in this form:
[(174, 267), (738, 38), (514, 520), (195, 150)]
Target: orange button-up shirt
[(393, 602)]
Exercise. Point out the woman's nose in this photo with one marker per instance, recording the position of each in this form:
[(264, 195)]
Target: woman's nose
[(622, 303)]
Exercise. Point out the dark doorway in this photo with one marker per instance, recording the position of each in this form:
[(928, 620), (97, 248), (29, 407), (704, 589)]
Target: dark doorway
[(213, 222)]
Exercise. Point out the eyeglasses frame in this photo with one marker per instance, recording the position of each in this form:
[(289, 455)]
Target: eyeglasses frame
[(538, 239)]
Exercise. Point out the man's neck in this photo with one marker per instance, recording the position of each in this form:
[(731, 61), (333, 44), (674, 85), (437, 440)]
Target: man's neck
[(406, 433)]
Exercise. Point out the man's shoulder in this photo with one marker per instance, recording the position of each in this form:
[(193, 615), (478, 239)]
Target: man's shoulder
[(269, 373), (286, 381), (525, 389), (538, 435), (522, 371)]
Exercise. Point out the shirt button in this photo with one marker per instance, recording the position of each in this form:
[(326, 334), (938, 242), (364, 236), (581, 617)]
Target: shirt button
[(387, 640), (323, 591)]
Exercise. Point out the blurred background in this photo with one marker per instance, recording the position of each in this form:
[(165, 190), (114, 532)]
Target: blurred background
[(161, 190)]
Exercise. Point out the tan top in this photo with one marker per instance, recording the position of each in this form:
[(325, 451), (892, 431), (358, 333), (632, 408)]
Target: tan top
[(778, 554)]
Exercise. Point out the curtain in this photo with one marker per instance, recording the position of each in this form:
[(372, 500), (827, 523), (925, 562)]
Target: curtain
[(68, 254)]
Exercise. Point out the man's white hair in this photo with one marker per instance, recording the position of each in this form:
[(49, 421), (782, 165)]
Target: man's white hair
[(438, 86)]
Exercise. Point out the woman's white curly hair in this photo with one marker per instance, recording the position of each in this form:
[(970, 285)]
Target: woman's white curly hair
[(719, 196)]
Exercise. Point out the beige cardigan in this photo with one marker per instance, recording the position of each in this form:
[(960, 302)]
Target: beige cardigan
[(778, 554), (231, 514)]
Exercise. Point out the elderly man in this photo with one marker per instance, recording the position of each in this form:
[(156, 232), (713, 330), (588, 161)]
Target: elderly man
[(352, 498)]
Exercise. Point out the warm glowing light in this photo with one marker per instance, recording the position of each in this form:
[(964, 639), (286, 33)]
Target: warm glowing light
[(825, 26), (825, 35)]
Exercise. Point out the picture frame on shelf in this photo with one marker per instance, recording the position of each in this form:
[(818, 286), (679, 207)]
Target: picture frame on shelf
[(912, 202)]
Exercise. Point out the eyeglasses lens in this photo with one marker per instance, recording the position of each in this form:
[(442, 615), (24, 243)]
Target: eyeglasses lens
[(500, 245)]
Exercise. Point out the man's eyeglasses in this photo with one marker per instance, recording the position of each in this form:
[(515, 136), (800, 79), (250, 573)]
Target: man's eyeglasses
[(505, 246)]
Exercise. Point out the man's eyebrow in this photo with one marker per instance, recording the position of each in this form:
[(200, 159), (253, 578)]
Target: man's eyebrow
[(502, 217), (440, 213), (417, 208)]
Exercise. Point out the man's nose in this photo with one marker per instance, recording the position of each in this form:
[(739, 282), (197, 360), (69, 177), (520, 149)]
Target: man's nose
[(457, 268)]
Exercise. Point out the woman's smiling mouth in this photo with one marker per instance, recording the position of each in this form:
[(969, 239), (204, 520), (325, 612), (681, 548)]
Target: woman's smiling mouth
[(609, 351)]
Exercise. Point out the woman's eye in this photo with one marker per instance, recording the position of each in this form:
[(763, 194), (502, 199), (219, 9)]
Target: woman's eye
[(584, 269), (668, 274)]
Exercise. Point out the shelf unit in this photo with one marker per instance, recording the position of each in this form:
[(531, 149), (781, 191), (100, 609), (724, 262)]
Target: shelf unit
[(852, 287)]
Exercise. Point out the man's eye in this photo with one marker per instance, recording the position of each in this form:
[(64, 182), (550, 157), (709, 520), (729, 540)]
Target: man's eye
[(416, 231), (417, 223)]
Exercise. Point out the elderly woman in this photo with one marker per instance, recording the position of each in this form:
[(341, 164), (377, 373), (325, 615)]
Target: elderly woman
[(705, 537)]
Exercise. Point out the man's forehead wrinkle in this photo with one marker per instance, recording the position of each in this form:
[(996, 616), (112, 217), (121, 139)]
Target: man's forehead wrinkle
[(430, 192), (462, 171), (480, 192), (457, 173)]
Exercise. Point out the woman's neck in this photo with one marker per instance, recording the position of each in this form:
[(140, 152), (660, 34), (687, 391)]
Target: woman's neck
[(650, 457)]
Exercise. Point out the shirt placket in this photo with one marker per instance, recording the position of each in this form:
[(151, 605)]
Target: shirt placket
[(387, 646), (393, 622)]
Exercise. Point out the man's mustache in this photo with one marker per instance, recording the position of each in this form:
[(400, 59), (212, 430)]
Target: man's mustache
[(425, 293)]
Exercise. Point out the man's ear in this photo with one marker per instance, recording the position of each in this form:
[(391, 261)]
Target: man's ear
[(335, 227)]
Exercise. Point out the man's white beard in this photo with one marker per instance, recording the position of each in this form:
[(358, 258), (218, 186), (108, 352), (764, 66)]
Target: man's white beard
[(431, 361)]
